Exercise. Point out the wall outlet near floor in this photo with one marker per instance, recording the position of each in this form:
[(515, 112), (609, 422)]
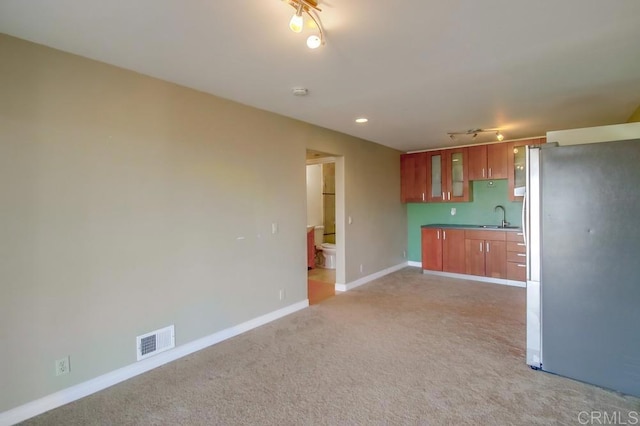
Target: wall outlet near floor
[(361, 268), (274, 228), (404, 254), (283, 294), (62, 366)]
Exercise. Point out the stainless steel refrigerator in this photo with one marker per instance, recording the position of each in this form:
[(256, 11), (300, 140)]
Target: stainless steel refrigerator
[(582, 224)]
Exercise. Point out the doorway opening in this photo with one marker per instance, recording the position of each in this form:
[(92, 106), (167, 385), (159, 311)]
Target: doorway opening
[(325, 230)]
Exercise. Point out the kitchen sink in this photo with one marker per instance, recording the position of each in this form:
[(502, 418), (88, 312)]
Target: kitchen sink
[(499, 227)]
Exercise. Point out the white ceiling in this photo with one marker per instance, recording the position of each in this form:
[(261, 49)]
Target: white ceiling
[(416, 68)]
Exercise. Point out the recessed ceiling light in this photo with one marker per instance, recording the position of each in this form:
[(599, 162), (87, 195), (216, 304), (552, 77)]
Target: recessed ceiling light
[(361, 120)]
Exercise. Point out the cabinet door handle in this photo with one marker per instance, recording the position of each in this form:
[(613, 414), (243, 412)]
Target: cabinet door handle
[(481, 250), (522, 255), (487, 247), (423, 196), (449, 195), (444, 235), (521, 244), (483, 172), (443, 197), (489, 171), (438, 234), (521, 266)]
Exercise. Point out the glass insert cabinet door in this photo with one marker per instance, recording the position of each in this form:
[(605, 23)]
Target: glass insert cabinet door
[(436, 176), (457, 175), (436, 186), (447, 177)]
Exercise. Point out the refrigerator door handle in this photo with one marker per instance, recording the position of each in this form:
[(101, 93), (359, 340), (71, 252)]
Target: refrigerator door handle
[(524, 221)]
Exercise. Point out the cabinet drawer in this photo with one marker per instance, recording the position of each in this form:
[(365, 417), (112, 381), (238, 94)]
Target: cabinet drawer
[(485, 235), (516, 271), (517, 247), (515, 236), (515, 257)]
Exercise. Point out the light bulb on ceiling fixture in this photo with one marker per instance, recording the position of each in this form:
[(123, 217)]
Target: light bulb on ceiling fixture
[(313, 42), (500, 136), (296, 21)]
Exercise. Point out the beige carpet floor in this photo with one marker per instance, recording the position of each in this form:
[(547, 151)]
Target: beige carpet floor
[(404, 349)]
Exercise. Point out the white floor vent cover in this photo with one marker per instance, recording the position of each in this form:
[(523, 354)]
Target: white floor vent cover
[(155, 342)]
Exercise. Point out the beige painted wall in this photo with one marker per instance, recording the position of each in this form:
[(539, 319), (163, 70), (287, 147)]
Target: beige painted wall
[(122, 201), (635, 117), (614, 132)]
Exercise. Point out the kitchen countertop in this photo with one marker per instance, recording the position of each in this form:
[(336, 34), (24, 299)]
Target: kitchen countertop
[(474, 227)]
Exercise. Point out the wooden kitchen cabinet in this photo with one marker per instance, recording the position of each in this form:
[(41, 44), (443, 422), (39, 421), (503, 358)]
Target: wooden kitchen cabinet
[(453, 251), (432, 249), (413, 173), (516, 164), (488, 161), (516, 257), (486, 253), (443, 250), (447, 175)]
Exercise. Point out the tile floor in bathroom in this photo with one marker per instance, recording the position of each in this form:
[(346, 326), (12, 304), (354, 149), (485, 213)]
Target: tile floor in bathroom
[(320, 284)]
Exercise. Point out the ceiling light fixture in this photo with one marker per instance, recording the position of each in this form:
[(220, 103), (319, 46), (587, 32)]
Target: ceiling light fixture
[(310, 8), (474, 133), (296, 21), (361, 120)]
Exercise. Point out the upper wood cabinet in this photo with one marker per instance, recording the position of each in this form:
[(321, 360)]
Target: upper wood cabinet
[(488, 161), (447, 175), (516, 164), (413, 171)]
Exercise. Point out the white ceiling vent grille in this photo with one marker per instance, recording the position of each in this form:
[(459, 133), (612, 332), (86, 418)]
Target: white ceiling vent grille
[(155, 342)]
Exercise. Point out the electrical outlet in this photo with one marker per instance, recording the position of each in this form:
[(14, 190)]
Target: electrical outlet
[(62, 366), (404, 254), (361, 268), (283, 294)]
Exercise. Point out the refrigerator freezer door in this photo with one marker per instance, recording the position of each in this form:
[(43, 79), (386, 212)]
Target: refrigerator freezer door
[(589, 263)]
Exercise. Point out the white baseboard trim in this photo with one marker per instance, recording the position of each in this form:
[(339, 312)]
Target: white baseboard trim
[(364, 280), (413, 263), (501, 281), (65, 396)]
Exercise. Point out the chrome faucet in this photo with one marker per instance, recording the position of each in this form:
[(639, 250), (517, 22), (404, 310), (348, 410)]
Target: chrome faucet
[(504, 222)]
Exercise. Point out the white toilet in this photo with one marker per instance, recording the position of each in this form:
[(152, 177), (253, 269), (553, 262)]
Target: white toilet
[(329, 253), (328, 249)]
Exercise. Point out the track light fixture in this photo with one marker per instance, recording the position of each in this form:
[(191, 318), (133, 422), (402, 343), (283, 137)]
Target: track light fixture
[(309, 8), (474, 133)]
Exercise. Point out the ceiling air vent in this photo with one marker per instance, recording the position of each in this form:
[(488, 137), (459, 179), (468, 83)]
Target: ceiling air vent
[(155, 342)]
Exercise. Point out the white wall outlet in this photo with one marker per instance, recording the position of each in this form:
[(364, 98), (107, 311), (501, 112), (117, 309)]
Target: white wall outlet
[(283, 294), (350, 220), (361, 268), (62, 366), (274, 228), (453, 211), (404, 254)]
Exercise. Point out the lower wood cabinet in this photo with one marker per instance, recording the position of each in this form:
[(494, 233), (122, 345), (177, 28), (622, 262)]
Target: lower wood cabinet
[(486, 253), (516, 257), (494, 254), (443, 250)]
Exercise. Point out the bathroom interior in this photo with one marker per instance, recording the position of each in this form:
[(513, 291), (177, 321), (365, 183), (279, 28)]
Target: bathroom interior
[(321, 226)]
